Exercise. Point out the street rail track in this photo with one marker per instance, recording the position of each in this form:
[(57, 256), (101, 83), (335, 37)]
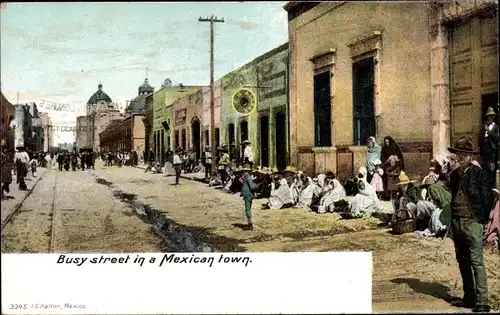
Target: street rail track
[(18, 207), (52, 215)]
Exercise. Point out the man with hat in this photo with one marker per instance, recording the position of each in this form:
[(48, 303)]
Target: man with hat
[(470, 207), (224, 164), (247, 153), (490, 138), (408, 193), (235, 153), (22, 160), (177, 161), (247, 192)]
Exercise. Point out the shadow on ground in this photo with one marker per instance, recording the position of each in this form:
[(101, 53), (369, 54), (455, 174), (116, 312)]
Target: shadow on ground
[(433, 289)]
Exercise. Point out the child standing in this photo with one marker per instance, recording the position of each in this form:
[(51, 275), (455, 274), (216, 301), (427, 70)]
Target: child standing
[(247, 193), (34, 164)]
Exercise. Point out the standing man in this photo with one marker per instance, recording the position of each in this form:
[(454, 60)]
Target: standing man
[(207, 159), (235, 153), (470, 207), (490, 138), (177, 164), (247, 153), (151, 160), (5, 169), (22, 159), (247, 191)]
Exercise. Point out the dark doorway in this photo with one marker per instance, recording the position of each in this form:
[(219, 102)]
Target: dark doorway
[(162, 146), (217, 137), (207, 138), (243, 131), (264, 141), (322, 110), (177, 143), (231, 135), (196, 138), (183, 139), (281, 140), (363, 100)]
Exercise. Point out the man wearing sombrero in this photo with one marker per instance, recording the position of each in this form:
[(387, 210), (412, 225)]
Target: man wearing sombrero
[(247, 192), (247, 153), (470, 207), (177, 161), (490, 138)]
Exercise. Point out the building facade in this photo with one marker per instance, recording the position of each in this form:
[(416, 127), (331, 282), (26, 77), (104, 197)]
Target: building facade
[(162, 130), (206, 120), (188, 113), (100, 111), (38, 131), (351, 81), (23, 133), (129, 134), (255, 107), (8, 113), (48, 131)]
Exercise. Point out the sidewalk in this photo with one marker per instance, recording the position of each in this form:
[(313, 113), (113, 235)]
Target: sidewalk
[(191, 176), (16, 196)]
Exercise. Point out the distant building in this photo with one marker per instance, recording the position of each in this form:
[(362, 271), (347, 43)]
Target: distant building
[(7, 111), (128, 134), (100, 111), (48, 131), (38, 133), (23, 127)]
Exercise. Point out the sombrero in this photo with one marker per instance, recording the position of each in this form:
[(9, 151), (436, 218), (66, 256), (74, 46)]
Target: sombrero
[(463, 145), (265, 170), (428, 181), (404, 179), (246, 142), (490, 112), (246, 167), (274, 171), (290, 169)]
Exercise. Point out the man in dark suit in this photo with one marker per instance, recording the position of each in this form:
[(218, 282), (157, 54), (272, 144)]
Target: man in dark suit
[(470, 207), (490, 138)]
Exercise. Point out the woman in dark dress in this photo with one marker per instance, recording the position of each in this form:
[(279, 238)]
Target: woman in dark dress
[(392, 162)]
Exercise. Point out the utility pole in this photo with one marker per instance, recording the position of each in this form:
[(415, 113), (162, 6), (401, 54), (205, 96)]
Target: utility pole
[(212, 21)]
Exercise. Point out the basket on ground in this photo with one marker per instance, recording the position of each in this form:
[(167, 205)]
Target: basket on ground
[(403, 224)]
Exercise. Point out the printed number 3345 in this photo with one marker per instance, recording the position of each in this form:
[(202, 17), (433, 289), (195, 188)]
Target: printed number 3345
[(18, 306)]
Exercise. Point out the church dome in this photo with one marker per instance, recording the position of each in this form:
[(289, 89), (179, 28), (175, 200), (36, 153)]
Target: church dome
[(99, 96), (145, 88)]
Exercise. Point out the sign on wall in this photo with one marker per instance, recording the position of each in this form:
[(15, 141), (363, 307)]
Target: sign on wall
[(180, 117)]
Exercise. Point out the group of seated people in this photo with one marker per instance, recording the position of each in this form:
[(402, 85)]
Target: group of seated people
[(427, 202)]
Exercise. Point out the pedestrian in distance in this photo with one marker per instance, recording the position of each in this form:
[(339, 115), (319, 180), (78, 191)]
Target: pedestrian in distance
[(151, 160), (22, 159), (207, 159), (177, 161), (471, 204), (33, 164), (247, 192)]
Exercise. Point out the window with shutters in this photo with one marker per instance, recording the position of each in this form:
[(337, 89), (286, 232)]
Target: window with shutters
[(322, 110)]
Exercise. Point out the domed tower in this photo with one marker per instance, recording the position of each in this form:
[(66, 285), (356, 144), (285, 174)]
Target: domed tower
[(145, 88), (99, 101), (138, 104)]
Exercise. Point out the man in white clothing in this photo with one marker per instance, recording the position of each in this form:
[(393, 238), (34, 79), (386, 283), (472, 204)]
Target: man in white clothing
[(22, 160), (177, 161), (247, 153)]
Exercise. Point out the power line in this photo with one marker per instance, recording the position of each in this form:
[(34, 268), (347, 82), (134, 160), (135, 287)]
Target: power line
[(212, 20)]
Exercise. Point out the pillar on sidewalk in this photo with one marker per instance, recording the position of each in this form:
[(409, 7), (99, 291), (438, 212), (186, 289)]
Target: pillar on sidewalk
[(440, 100)]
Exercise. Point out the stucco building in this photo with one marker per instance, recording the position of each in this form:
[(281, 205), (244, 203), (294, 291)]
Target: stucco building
[(100, 111), (206, 120), (361, 69), (48, 131), (128, 134), (187, 112), (159, 118), (23, 133), (8, 113), (255, 107)]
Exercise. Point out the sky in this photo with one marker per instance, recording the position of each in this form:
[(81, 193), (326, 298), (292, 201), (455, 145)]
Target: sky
[(59, 52)]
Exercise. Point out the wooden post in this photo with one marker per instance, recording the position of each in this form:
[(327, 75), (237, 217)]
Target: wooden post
[(212, 21)]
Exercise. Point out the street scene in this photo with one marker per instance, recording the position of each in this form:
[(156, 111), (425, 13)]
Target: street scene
[(295, 127)]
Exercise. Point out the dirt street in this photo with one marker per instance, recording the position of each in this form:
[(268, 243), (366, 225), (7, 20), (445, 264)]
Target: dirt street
[(410, 272), (83, 216)]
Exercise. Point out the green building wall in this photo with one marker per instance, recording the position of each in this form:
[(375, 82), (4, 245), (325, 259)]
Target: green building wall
[(267, 77)]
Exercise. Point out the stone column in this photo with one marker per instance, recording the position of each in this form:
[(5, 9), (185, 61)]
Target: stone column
[(440, 98), (272, 136)]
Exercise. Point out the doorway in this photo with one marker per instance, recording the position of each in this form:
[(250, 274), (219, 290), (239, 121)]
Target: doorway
[(281, 140), (230, 131), (363, 96), (264, 141), (196, 138)]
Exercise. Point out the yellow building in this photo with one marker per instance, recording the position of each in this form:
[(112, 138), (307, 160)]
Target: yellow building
[(361, 69)]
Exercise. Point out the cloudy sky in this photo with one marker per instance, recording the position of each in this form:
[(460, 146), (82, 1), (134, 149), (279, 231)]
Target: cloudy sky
[(59, 52)]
